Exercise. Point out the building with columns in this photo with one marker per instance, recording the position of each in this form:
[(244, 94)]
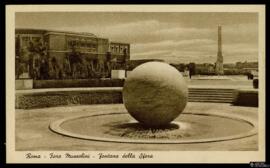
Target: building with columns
[(50, 54)]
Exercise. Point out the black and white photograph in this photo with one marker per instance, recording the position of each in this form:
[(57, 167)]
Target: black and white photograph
[(135, 83)]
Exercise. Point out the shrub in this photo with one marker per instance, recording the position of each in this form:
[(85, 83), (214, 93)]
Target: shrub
[(68, 83), (256, 83), (246, 98)]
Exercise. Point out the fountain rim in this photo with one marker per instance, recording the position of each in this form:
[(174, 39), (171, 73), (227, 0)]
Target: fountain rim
[(55, 127)]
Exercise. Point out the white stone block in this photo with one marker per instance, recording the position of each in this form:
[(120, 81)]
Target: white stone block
[(128, 72), (24, 75), (118, 74), (22, 84), (19, 84)]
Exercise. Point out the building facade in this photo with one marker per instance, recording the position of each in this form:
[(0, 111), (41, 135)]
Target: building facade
[(120, 54), (47, 54)]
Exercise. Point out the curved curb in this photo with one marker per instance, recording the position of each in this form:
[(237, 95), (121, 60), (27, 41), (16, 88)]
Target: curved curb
[(56, 127)]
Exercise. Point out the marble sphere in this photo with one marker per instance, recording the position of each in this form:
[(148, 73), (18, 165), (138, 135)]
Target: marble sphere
[(155, 93)]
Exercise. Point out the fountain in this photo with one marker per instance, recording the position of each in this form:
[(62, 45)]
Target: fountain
[(155, 96)]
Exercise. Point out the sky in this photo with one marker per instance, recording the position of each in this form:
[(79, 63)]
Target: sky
[(175, 37)]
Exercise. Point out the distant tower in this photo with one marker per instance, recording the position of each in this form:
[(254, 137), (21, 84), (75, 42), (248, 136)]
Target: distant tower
[(219, 62)]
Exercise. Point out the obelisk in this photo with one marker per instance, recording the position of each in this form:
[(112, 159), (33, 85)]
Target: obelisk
[(219, 63)]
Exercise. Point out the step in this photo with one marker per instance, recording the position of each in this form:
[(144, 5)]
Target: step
[(212, 91), (209, 93), (194, 88), (210, 96), (204, 97), (209, 89), (209, 99), (214, 101), (225, 101)]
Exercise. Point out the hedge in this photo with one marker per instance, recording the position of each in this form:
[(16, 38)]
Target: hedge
[(246, 98), (66, 98), (70, 83)]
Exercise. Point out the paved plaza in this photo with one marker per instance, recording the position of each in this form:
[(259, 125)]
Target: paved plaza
[(32, 132)]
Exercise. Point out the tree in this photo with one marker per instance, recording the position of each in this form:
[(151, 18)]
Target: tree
[(192, 69), (79, 66), (29, 57)]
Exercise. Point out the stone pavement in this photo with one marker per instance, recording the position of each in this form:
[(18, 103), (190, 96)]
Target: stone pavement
[(32, 132)]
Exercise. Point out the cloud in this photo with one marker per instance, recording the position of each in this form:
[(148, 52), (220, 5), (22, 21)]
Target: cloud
[(130, 30), (145, 31), (172, 45), (183, 33), (150, 54), (236, 29), (180, 56), (153, 38), (240, 33), (241, 47), (199, 50)]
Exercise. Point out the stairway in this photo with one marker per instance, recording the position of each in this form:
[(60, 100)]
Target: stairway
[(214, 95)]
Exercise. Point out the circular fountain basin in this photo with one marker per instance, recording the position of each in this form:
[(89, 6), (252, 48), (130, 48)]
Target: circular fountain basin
[(187, 128)]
